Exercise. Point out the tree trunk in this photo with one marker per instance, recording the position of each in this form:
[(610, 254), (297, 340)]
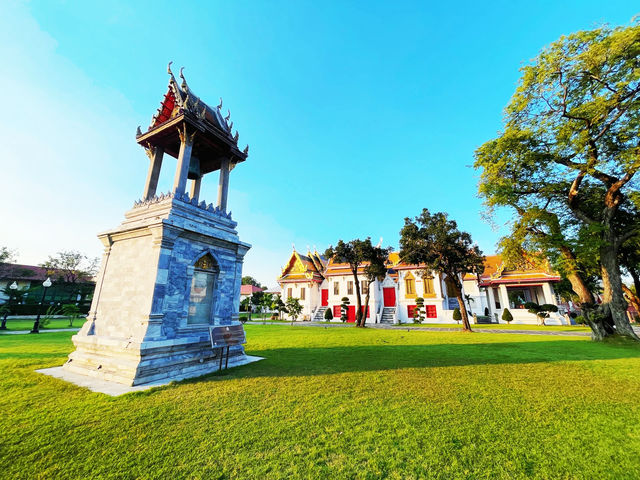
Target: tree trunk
[(455, 281), (614, 303), (366, 304), (636, 280), (358, 298), (601, 325)]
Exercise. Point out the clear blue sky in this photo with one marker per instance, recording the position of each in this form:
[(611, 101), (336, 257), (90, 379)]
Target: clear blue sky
[(357, 114)]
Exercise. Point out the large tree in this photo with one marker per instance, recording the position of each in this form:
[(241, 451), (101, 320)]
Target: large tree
[(375, 269), (248, 280), (571, 148), (357, 254), (7, 255), (69, 266), (434, 241)]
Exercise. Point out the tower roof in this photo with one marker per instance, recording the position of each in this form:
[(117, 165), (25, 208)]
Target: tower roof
[(214, 132)]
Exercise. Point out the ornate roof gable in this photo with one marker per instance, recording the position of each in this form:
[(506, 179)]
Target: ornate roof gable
[(180, 99)]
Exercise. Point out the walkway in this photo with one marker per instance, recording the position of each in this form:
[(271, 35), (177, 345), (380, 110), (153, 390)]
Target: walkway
[(46, 330), (431, 329)]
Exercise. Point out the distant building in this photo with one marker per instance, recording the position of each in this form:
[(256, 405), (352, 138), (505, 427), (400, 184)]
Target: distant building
[(247, 290), (320, 284), (498, 288), (30, 278)]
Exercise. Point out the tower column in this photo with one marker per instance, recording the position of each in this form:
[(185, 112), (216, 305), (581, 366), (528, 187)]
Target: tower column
[(184, 159), (195, 188), (153, 174), (223, 185)]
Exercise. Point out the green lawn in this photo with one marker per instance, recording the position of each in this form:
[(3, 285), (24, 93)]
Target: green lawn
[(27, 323), (338, 403)]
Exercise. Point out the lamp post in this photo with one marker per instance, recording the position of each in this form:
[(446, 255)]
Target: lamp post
[(36, 325), (13, 287)]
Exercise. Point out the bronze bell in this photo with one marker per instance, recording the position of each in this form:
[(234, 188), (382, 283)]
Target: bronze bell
[(194, 169)]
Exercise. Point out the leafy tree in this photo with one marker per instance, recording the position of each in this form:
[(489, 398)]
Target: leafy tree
[(344, 309), (248, 280), (265, 302), (278, 305), (360, 253), (72, 312), (567, 158), (434, 241), (457, 316), (294, 308), (506, 316), (7, 255), (245, 304), (70, 266), (328, 315), (542, 312), (375, 269), (256, 300)]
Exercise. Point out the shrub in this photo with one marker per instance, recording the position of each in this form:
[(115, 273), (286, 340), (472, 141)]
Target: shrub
[(506, 316), (579, 320), (418, 316), (344, 309), (328, 315), (457, 316)]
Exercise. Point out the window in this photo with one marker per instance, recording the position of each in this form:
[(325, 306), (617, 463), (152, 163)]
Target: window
[(364, 287), (429, 290), (431, 311), (289, 292), (349, 287), (410, 310), (496, 297), (201, 294), (409, 286), (336, 288), (302, 293), (337, 312)]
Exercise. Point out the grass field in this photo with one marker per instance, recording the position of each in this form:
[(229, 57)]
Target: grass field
[(27, 323), (338, 403)]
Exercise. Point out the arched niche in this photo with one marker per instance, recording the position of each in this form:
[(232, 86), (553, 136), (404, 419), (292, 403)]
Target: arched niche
[(202, 293)]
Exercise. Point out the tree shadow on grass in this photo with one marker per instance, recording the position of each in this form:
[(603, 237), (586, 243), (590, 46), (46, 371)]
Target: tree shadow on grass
[(330, 360)]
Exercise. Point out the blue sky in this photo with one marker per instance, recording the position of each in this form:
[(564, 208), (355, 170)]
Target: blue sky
[(357, 114)]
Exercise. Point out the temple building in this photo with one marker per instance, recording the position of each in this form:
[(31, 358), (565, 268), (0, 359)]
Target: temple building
[(498, 288), (320, 284)]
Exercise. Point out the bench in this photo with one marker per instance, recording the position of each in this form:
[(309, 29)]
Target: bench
[(226, 336)]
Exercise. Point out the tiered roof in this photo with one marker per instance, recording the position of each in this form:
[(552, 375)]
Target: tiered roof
[(303, 268), (180, 104), (494, 273)]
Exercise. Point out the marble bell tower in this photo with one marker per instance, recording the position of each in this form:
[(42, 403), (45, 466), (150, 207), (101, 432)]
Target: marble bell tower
[(174, 266)]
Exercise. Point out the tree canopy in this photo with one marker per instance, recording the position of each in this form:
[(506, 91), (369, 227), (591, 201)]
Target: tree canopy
[(69, 266), (434, 241), (249, 280), (357, 253), (567, 159)]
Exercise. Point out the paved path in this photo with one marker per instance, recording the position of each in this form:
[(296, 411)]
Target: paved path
[(46, 330), (433, 329)]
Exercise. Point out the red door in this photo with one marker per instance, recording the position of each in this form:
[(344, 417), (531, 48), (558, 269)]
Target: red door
[(325, 297), (389, 295), (351, 314)]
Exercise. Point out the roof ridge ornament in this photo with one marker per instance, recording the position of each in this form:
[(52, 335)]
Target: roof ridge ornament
[(220, 105), (184, 85), (246, 150)]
